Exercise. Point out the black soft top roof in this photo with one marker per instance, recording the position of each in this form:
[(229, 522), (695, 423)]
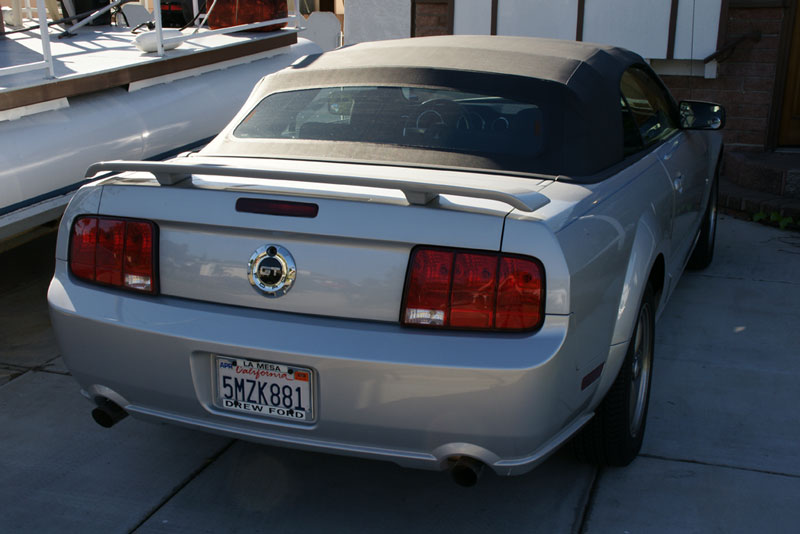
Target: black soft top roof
[(565, 62), (582, 80)]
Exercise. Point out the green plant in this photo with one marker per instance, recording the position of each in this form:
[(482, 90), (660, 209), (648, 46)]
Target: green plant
[(775, 218)]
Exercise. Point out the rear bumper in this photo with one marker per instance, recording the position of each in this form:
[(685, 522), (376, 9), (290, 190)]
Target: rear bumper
[(410, 396)]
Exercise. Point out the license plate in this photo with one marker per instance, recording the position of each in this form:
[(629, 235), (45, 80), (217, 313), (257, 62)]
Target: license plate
[(263, 388)]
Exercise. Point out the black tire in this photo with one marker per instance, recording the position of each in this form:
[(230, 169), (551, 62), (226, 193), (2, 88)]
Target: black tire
[(614, 435), (704, 250)]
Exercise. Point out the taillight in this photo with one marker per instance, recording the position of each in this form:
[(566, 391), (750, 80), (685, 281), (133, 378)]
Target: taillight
[(459, 289), (114, 252)]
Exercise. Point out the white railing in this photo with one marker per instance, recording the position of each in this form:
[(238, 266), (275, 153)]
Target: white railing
[(47, 56), (47, 61)]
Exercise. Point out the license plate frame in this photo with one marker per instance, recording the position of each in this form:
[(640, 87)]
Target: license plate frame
[(250, 389)]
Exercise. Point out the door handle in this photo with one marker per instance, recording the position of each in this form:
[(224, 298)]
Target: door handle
[(677, 183), (673, 146)]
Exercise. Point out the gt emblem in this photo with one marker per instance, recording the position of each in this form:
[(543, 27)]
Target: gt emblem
[(271, 270), (272, 273)]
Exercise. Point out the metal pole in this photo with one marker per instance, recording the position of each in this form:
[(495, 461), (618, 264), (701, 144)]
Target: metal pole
[(195, 11), (159, 33), (16, 13), (44, 30)]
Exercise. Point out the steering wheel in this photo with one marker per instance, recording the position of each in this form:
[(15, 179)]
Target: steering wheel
[(442, 112)]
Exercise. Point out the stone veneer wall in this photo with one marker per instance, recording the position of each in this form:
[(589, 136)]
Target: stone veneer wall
[(746, 79), (430, 18)]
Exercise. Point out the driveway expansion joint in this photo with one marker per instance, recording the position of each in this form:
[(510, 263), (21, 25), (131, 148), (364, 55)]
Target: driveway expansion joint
[(724, 466), (13, 374), (52, 371), (43, 368), (14, 367), (9, 372), (583, 520), (194, 474), (758, 280)]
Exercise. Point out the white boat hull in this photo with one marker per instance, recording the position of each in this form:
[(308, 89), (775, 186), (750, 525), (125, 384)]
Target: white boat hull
[(44, 156)]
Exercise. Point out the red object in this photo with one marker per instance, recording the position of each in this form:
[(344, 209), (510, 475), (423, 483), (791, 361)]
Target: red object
[(83, 247), (458, 289), (108, 256), (428, 286), (519, 294), (277, 207), (301, 376), (228, 13), (114, 252), (472, 296)]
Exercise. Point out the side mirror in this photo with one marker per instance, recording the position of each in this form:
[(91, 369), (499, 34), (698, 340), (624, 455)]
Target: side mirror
[(701, 115)]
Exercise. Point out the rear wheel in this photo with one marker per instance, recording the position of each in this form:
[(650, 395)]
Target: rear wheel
[(704, 250), (614, 436)]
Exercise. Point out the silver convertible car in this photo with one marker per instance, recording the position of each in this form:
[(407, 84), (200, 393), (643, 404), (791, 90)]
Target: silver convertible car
[(444, 252)]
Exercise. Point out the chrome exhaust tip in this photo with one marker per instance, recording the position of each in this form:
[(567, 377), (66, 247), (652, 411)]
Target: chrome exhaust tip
[(108, 413), (466, 471)]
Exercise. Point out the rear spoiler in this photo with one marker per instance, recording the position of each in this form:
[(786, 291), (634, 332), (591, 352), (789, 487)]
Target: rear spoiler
[(512, 191)]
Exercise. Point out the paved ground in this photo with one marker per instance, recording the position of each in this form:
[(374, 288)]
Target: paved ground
[(720, 454)]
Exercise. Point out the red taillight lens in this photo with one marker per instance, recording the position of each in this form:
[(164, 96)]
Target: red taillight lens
[(115, 252), (138, 266), (428, 288), (473, 290), (519, 294), (108, 256), (472, 299), (83, 247)]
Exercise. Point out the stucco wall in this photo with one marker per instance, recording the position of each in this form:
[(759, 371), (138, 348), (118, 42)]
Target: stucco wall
[(556, 19), (376, 20), (472, 17)]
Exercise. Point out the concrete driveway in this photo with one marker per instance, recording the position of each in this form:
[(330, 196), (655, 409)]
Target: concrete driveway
[(721, 453)]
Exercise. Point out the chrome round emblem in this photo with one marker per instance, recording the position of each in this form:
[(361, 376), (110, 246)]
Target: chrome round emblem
[(271, 270)]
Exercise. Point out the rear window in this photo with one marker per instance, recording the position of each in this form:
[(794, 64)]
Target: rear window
[(440, 119)]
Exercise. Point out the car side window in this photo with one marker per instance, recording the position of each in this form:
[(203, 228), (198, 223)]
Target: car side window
[(648, 106), (632, 141)]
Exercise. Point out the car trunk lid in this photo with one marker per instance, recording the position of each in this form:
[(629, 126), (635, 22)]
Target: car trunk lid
[(351, 256)]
